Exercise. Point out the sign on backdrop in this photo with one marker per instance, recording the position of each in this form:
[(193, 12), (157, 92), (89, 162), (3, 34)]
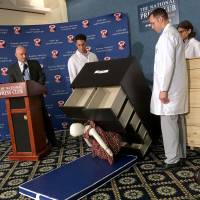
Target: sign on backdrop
[(171, 6)]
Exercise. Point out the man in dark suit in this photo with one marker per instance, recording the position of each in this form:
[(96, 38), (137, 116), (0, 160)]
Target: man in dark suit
[(23, 70)]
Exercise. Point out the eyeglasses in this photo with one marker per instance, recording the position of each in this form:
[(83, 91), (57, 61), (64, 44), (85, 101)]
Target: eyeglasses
[(182, 31)]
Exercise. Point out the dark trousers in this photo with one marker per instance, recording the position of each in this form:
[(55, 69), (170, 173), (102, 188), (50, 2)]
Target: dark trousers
[(48, 125)]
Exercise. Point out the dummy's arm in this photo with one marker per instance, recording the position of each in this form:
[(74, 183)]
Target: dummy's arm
[(77, 129), (88, 143), (97, 137)]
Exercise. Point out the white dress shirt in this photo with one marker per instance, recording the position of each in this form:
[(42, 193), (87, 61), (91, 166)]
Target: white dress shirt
[(21, 66), (192, 48), (77, 61)]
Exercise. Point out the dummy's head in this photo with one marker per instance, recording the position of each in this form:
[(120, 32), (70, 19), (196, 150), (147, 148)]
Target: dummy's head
[(20, 54), (81, 44), (158, 19), (76, 129), (185, 29)]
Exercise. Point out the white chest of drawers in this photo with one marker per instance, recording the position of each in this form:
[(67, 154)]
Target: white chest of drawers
[(193, 117)]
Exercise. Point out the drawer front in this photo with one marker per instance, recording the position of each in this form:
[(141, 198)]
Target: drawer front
[(107, 97), (193, 118), (193, 63), (194, 78), (142, 131), (135, 121), (126, 114), (79, 97), (142, 147), (194, 98), (193, 136)]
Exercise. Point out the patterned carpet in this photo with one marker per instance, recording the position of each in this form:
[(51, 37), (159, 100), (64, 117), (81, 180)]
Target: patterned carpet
[(143, 181)]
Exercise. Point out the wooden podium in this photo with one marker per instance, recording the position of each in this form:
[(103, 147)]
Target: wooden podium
[(25, 119)]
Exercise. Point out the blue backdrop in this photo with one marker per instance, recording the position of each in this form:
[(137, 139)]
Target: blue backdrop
[(52, 45), (142, 43)]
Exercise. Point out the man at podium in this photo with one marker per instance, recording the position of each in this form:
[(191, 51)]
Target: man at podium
[(23, 70)]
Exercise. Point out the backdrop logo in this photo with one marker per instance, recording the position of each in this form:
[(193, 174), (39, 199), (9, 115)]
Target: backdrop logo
[(64, 125), (107, 58), (121, 45), (70, 38), (54, 54), (2, 43), (88, 48), (85, 23), (61, 103), (37, 42), (171, 6), (4, 71), (118, 16), (52, 28), (57, 78), (17, 30), (104, 33)]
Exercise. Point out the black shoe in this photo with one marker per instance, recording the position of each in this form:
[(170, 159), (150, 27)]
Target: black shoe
[(182, 161), (173, 166)]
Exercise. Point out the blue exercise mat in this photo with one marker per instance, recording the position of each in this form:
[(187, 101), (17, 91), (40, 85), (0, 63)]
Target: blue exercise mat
[(75, 179)]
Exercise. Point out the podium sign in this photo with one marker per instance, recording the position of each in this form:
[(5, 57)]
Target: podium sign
[(10, 90)]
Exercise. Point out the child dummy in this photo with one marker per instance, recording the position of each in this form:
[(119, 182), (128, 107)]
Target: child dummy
[(104, 144)]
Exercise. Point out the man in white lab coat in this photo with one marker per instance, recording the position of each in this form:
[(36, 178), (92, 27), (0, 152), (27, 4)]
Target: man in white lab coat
[(170, 88), (80, 57)]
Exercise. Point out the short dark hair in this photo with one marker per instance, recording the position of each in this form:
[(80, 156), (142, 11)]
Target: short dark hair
[(80, 37), (159, 12), (187, 25)]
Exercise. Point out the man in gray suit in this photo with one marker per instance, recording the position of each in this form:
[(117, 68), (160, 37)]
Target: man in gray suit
[(23, 70)]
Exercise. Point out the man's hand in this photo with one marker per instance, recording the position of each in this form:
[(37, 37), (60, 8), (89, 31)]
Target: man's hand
[(163, 96)]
